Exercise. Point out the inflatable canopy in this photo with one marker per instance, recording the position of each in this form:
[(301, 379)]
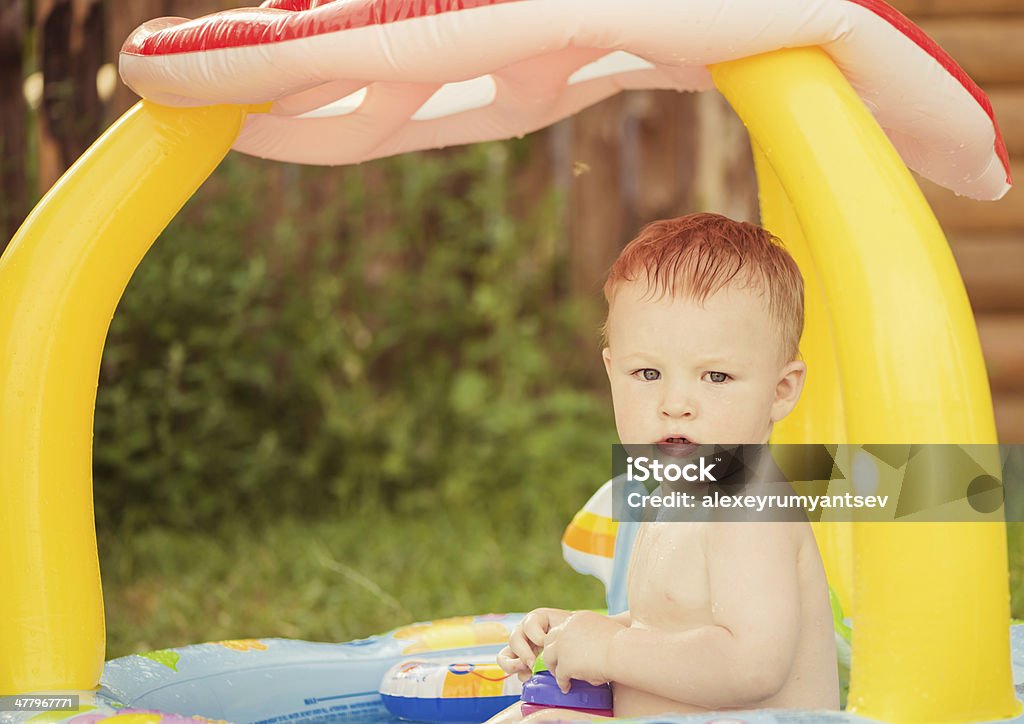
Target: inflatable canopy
[(352, 81), (840, 97)]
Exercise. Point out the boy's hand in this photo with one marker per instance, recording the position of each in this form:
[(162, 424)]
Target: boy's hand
[(527, 640), (578, 648)]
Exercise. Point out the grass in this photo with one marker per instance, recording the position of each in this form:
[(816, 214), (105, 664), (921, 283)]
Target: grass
[(332, 580)]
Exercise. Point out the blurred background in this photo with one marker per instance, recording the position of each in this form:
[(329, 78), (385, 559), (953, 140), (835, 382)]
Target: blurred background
[(337, 400)]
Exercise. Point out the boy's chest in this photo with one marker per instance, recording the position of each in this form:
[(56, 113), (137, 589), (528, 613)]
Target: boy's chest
[(668, 582)]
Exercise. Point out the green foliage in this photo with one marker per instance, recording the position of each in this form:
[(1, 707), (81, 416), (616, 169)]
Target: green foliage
[(308, 342)]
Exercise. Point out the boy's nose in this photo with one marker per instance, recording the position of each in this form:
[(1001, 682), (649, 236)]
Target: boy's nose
[(679, 407)]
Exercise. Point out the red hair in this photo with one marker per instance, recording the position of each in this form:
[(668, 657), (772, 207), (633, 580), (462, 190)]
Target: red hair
[(699, 254)]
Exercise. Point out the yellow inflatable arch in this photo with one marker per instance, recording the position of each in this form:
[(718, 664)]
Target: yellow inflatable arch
[(833, 186)]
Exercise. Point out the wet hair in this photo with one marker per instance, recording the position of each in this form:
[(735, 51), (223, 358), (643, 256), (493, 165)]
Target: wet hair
[(699, 254)]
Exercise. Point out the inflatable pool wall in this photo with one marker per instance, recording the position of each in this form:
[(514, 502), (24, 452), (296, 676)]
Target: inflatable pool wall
[(267, 681)]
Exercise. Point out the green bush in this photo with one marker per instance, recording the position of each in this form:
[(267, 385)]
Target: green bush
[(307, 341)]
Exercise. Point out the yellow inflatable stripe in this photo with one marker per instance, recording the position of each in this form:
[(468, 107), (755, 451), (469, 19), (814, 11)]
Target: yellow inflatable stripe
[(451, 633), (598, 544), (595, 523)]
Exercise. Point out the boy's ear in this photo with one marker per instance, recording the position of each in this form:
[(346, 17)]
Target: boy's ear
[(788, 389), (606, 355)]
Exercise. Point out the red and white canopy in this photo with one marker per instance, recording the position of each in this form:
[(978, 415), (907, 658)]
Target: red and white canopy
[(352, 80)]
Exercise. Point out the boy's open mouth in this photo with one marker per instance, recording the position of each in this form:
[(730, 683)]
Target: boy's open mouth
[(677, 446)]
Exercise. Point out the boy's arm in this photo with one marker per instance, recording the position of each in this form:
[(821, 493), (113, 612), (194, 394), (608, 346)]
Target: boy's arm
[(747, 653)]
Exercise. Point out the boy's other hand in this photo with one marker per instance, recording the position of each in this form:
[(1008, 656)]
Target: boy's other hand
[(527, 640), (512, 664), (578, 648)]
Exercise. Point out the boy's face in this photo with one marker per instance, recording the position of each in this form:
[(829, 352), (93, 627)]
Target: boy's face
[(685, 374)]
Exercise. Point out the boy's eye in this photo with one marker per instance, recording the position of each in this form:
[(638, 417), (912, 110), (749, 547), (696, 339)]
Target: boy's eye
[(716, 377), (648, 374)]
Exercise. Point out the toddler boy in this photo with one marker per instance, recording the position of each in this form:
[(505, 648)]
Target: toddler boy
[(704, 321)]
